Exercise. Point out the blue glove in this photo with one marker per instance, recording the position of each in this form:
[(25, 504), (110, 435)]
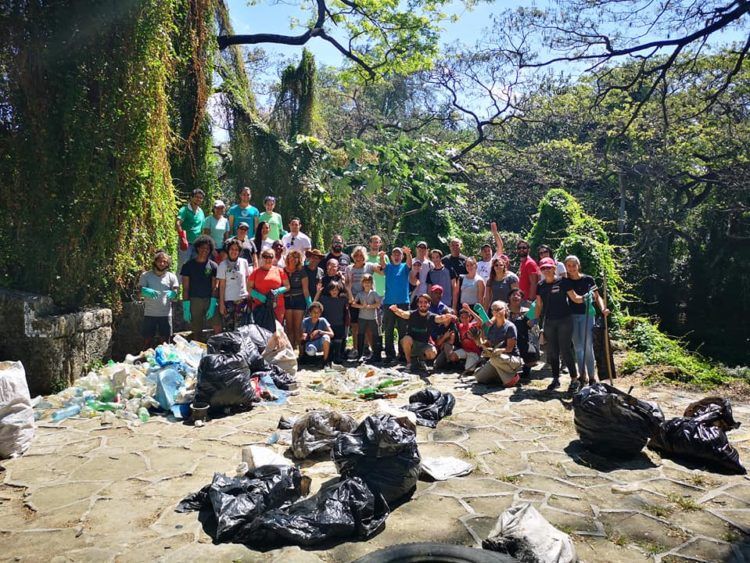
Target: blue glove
[(186, 314), (212, 308), (308, 301), (172, 294), (258, 295), (149, 293), (280, 291)]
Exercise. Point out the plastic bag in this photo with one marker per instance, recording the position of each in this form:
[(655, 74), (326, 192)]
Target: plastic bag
[(263, 314), (281, 379), (524, 534), (444, 468), (237, 501), (224, 380), (168, 384), (236, 343), (383, 453), (348, 509), (16, 413), (613, 423), (430, 406), (316, 431), (700, 435), (257, 335)]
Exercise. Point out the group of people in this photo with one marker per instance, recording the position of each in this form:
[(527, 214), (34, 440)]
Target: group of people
[(455, 310)]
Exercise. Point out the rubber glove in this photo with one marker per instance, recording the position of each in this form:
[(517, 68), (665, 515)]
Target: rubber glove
[(148, 293), (258, 295), (186, 314), (531, 313), (183, 240), (308, 301), (172, 294), (588, 300), (212, 308), (280, 291)]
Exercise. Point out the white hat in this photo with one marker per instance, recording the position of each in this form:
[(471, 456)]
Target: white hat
[(218, 203)]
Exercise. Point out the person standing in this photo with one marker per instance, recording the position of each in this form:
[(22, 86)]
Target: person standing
[(337, 253), (273, 219), (396, 293), (297, 299), (353, 280), (499, 284), (421, 267), (545, 251), (442, 276), (527, 343), (200, 289), (368, 302), (472, 285), (217, 226), (296, 239), (484, 266), (243, 211), (261, 240), (247, 246), (232, 274), (313, 271), (268, 282), (189, 225), (455, 260), (553, 311), (528, 272), (159, 288), (373, 257)]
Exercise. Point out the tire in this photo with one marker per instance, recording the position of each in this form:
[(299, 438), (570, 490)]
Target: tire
[(433, 551)]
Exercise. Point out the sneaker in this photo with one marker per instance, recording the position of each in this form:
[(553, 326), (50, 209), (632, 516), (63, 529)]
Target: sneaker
[(554, 385), (574, 387), (352, 355)]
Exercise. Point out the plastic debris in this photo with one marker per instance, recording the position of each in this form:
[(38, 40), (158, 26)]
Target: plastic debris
[(444, 468), (224, 380), (523, 533), (16, 413), (430, 406), (258, 456), (366, 382), (613, 423), (316, 431)]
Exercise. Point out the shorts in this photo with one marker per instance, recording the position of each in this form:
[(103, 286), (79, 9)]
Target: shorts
[(316, 344), (156, 325), (198, 309), (418, 349), (353, 314), (295, 302)]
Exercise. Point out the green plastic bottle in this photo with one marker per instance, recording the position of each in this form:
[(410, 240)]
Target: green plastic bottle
[(143, 414), (102, 405)]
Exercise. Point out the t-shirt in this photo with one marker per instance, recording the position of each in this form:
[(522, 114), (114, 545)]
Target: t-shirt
[(218, 228), (192, 221), (554, 299), (426, 267), (247, 249), (275, 224), (443, 278), (325, 280), (162, 305), (456, 263), (368, 298), (300, 242), (522, 329), (267, 280), (308, 325), (484, 267), (295, 282), (335, 309), (379, 280), (467, 342), (313, 276), (201, 276), (528, 268), (240, 214), (501, 288), (396, 284), (438, 309), (499, 335), (235, 276), (356, 274), (421, 326), (344, 261), (581, 286)]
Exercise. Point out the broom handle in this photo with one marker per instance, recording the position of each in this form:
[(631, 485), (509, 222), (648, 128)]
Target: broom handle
[(610, 372)]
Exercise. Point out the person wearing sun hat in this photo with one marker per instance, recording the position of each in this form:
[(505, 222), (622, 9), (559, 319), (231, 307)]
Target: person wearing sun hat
[(216, 225)]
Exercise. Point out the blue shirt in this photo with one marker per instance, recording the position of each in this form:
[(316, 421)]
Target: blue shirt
[(396, 284), (248, 215)]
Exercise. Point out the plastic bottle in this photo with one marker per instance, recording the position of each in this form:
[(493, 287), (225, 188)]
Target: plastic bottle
[(143, 414), (102, 406), (108, 394), (67, 412)]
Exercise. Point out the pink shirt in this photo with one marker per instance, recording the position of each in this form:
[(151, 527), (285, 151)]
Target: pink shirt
[(528, 268)]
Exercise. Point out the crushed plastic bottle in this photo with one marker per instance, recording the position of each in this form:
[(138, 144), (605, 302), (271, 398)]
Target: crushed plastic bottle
[(66, 412), (143, 414)]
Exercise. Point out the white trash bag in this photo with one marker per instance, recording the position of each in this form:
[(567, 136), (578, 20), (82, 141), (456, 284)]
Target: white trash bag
[(523, 533), (16, 412)]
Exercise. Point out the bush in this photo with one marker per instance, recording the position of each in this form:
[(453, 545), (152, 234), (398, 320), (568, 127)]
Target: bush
[(558, 211)]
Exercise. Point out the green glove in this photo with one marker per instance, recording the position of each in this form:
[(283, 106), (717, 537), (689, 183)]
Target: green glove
[(186, 314), (172, 294), (212, 308), (588, 300), (308, 301), (259, 296), (280, 291), (149, 293), (531, 313)]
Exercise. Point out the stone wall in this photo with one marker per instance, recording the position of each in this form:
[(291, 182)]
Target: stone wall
[(54, 348)]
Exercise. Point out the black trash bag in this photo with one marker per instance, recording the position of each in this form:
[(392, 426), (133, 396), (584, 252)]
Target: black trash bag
[(383, 453), (237, 343), (280, 378), (224, 380), (257, 335), (316, 431), (613, 423), (348, 509), (430, 406), (263, 315), (701, 436), (237, 501)]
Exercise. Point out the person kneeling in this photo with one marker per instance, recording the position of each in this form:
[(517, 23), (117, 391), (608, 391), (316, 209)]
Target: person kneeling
[(499, 346), (316, 333), (416, 343)]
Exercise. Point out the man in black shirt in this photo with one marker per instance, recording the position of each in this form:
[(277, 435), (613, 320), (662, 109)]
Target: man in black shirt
[(416, 344), (455, 260), (313, 270), (200, 289), (337, 252)]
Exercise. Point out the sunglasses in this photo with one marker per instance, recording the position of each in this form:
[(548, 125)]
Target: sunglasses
[(267, 257)]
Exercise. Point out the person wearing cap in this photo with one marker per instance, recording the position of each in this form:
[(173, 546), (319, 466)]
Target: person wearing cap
[(337, 253), (545, 251), (217, 226), (243, 211), (421, 266), (189, 225), (273, 219), (554, 314), (528, 272), (312, 269), (484, 266), (247, 246), (442, 276), (296, 239), (396, 293)]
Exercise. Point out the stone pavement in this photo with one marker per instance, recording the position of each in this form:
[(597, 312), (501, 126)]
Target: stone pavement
[(91, 492)]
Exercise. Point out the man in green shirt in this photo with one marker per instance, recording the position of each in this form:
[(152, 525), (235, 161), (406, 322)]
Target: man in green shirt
[(189, 225), (373, 257), (273, 219)]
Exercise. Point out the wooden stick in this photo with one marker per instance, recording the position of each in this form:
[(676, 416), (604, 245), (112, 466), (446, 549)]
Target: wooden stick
[(610, 371)]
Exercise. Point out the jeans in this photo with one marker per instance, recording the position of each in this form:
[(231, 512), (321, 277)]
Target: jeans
[(391, 321), (583, 332), (558, 333)]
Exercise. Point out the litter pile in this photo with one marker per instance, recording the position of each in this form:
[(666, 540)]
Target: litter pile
[(365, 382)]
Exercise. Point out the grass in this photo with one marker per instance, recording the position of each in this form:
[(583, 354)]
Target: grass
[(658, 511), (685, 503), (512, 479), (702, 481)]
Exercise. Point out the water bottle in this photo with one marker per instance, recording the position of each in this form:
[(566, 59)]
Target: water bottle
[(66, 412), (143, 414)]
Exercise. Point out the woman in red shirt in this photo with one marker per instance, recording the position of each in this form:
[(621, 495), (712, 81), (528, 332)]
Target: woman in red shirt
[(268, 281)]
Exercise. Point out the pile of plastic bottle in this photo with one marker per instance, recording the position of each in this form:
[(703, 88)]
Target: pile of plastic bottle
[(365, 382), (161, 379)]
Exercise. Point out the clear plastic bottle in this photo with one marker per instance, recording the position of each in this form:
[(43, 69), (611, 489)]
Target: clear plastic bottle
[(66, 412)]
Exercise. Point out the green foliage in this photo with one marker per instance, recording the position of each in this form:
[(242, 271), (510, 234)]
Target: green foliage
[(558, 211), (296, 109)]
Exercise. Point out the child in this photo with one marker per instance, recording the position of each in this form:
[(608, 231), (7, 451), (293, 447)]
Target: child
[(368, 302), (468, 330), (316, 333), (336, 303)]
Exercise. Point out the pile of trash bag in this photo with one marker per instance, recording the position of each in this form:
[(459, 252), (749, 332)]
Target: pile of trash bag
[(315, 431), (430, 406), (700, 435), (613, 423), (16, 413)]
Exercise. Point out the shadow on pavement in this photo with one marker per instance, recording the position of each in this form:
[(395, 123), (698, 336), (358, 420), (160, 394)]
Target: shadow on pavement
[(586, 458)]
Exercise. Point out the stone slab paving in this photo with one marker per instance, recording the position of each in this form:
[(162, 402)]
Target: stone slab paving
[(92, 492)]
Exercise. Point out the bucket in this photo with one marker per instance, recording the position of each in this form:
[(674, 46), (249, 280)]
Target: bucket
[(199, 411)]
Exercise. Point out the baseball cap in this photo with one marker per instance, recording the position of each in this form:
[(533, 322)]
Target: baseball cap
[(397, 249), (269, 198), (422, 244), (436, 287), (243, 225), (547, 263), (218, 203)]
